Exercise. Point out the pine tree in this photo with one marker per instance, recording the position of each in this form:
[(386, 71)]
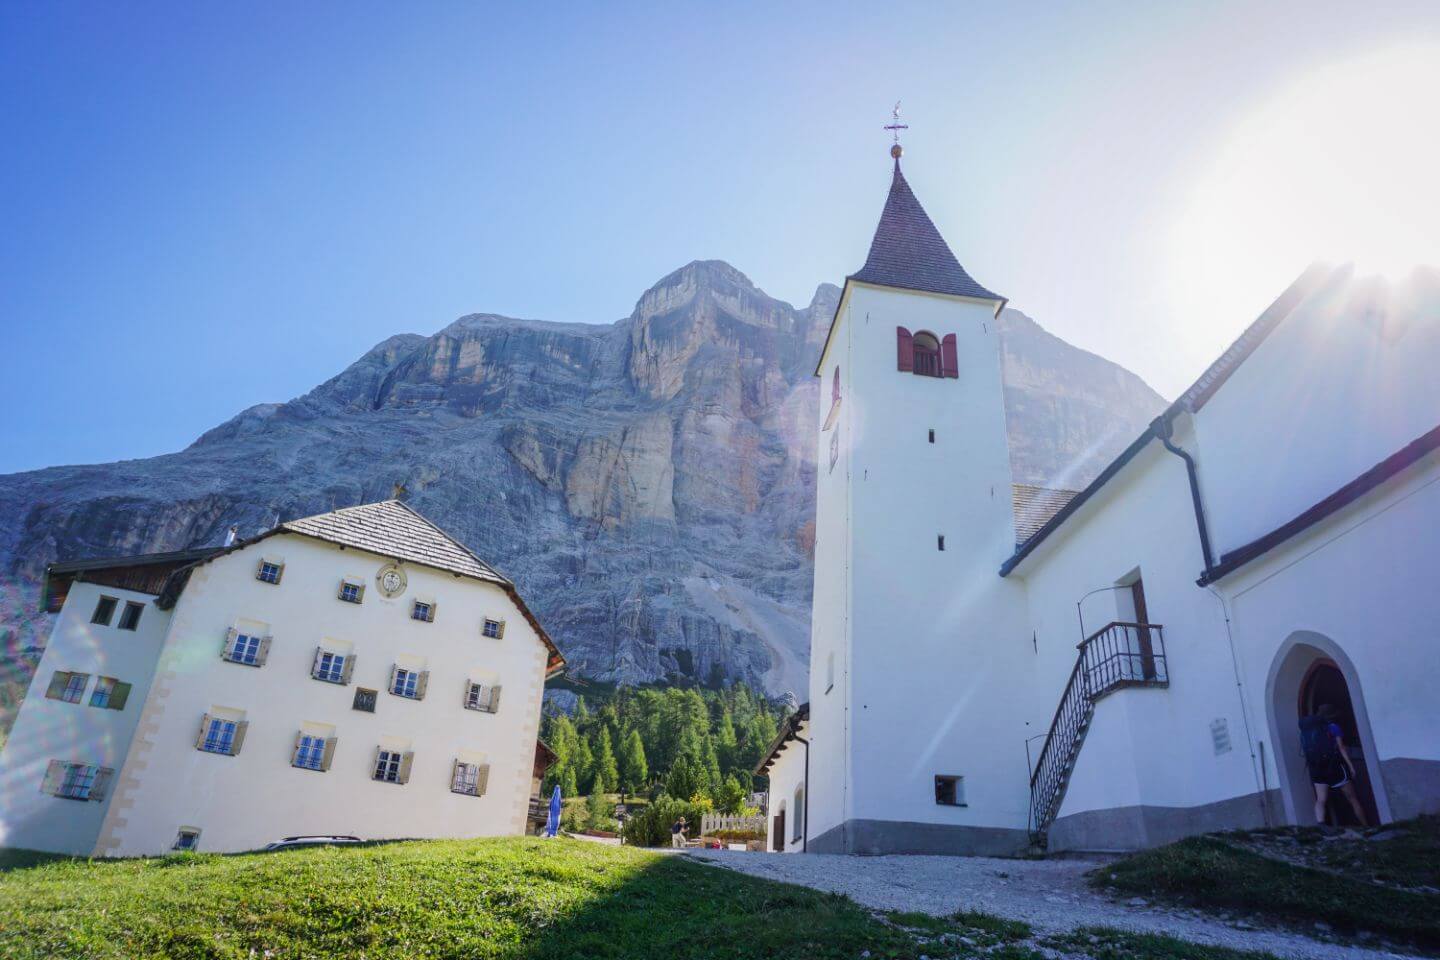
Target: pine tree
[(731, 796), (606, 770), (584, 762), (634, 771), (567, 783), (682, 783)]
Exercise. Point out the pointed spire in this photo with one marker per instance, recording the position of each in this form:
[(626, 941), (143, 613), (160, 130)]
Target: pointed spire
[(908, 252)]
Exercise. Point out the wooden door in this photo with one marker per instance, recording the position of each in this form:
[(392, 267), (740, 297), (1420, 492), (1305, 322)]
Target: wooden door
[(1142, 617), (779, 844)]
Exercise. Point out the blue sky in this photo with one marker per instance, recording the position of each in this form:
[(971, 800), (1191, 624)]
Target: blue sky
[(207, 206)]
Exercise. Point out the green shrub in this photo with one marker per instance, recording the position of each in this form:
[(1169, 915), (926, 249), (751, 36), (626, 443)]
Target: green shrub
[(651, 826)]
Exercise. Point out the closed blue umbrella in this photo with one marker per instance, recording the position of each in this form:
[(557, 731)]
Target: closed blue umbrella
[(552, 825)]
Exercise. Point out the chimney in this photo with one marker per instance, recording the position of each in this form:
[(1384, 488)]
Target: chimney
[(230, 534), (398, 492)]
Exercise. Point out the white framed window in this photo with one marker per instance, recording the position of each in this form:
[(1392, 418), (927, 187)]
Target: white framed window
[(408, 683), (470, 779), (246, 647), (110, 694), (221, 735), (424, 611), (313, 751), (188, 839), (392, 766), (104, 611), (482, 697), (67, 686), (949, 790), (270, 571), (77, 781), (130, 616), (494, 629), (332, 667), (352, 591)]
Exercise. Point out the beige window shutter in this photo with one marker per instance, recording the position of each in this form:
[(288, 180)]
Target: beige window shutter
[(347, 668), (59, 680), (482, 780), (295, 752), (361, 594), (465, 695), (394, 668), (421, 684), (101, 787), (502, 630), (340, 590), (329, 753), (239, 740), (495, 699), (406, 759), (455, 766), (375, 764), (204, 725), (228, 651), (315, 663), (434, 608), (119, 695), (264, 652), (54, 776)]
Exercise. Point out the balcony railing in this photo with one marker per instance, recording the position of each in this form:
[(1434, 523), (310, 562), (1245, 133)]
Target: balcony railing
[(1123, 654)]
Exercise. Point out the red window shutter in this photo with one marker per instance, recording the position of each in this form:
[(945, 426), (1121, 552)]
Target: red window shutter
[(949, 357), (835, 387), (904, 350)]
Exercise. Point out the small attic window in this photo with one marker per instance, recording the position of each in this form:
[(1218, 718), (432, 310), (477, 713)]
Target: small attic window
[(351, 591), (270, 571)]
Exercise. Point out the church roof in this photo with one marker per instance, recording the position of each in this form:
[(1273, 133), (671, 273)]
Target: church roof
[(1034, 506), (908, 252)]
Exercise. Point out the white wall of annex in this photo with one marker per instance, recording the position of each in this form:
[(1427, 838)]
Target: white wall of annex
[(787, 774), (1342, 383), (1364, 582), (1147, 746), (46, 730), (942, 673), (244, 801), (830, 606)]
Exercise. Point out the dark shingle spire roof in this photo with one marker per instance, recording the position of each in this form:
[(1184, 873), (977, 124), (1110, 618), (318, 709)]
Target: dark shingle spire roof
[(909, 252)]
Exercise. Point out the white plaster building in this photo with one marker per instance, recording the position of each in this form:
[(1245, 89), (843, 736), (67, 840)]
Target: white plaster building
[(354, 673), (1266, 545)]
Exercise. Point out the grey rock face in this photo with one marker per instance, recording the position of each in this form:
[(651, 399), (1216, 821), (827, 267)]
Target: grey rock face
[(648, 484)]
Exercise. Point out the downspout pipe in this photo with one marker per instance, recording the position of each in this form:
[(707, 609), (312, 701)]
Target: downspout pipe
[(805, 828), (1165, 430)]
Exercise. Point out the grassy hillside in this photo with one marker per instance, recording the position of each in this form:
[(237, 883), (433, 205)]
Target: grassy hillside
[(451, 899), (511, 898)]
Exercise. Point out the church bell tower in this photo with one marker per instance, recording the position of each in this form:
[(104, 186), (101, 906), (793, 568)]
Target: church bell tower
[(912, 629)]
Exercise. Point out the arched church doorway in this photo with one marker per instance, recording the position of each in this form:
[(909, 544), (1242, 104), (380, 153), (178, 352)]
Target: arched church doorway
[(1310, 669), (1324, 683)]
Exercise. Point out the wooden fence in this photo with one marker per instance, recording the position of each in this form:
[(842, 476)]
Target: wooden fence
[(712, 822)]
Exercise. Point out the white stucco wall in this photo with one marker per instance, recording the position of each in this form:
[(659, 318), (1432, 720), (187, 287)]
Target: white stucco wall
[(787, 774), (1338, 386), (244, 801), (942, 660), (830, 653), (46, 729), (1146, 746)]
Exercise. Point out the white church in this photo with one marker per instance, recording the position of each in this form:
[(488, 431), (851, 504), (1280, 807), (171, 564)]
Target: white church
[(357, 673), (996, 668)]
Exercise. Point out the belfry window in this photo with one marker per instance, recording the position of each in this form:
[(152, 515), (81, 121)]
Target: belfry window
[(927, 355)]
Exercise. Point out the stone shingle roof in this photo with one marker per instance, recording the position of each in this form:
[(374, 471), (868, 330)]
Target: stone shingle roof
[(909, 252), (1034, 506), (391, 529)]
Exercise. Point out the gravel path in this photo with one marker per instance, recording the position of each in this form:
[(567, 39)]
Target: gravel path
[(1050, 895)]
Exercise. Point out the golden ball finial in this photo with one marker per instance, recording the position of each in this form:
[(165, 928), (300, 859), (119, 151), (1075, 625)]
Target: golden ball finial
[(896, 151)]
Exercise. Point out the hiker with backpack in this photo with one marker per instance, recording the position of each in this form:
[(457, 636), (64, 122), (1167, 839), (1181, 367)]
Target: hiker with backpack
[(1329, 761)]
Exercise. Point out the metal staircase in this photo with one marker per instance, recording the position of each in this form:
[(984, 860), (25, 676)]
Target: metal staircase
[(1115, 656)]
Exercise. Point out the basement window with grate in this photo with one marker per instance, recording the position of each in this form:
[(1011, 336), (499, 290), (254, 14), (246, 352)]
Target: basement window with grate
[(949, 790)]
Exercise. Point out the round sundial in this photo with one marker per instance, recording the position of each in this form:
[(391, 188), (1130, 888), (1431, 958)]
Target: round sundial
[(391, 580)]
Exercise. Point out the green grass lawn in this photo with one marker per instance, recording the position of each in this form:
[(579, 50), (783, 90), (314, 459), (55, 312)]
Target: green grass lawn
[(1338, 891), (520, 898)]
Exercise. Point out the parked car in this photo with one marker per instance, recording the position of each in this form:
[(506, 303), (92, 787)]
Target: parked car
[(290, 842)]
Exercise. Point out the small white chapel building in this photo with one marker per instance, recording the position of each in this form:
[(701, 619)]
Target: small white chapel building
[(995, 667), (356, 673)]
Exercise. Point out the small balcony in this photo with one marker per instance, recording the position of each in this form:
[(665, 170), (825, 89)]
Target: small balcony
[(1124, 654)]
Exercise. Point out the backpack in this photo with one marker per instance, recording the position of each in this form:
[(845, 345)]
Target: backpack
[(1318, 743)]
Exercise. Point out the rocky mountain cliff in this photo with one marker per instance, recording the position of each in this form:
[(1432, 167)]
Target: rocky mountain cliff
[(647, 483)]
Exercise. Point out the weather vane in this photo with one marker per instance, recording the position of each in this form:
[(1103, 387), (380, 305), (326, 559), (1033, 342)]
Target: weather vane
[(895, 126)]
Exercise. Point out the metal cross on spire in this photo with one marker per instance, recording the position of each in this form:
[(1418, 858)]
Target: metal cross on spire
[(895, 126)]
